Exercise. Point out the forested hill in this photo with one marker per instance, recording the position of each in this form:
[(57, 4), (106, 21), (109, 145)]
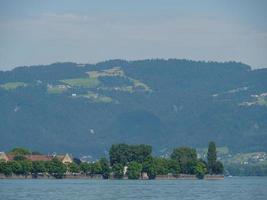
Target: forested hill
[(83, 109)]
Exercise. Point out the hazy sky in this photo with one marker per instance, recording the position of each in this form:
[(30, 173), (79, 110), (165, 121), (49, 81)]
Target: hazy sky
[(86, 31)]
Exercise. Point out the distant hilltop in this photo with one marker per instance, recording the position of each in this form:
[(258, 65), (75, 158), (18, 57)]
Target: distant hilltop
[(69, 107)]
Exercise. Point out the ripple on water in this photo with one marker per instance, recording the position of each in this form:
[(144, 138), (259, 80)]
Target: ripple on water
[(245, 188)]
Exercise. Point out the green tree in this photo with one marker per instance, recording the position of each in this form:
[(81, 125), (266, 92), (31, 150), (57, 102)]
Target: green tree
[(186, 157), (149, 167), (117, 170), (19, 157), (139, 153), (20, 151), (134, 170), (96, 168), (56, 168), (151, 173), (15, 167), (104, 167), (161, 166), (73, 168), (26, 167), (218, 168), (123, 153), (174, 167), (190, 167), (200, 170), (119, 153), (5, 168), (38, 167), (212, 157), (85, 167)]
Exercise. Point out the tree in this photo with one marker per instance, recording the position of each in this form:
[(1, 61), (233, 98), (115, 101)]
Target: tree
[(85, 167), (134, 170), (73, 168), (5, 168), (161, 166), (96, 168), (139, 153), (214, 166), (148, 166), (200, 170), (104, 167), (218, 168), (19, 157), (173, 167), (117, 170), (119, 153), (123, 153), (15, 167), (56, 168), (20, 151), (186, 157), (212, 157), (26, 167), (190, 167), (38, 167), (151, 173)]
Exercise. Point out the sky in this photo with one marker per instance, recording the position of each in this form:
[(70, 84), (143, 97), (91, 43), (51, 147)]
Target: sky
[(36, 32)]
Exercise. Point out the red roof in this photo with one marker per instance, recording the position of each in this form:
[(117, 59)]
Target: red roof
[(39, 157), (33, 157)]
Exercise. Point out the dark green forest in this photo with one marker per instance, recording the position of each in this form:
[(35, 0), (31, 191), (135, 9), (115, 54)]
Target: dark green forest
[(83, 109)]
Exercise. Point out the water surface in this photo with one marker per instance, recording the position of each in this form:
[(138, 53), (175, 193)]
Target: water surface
[(243, 188)]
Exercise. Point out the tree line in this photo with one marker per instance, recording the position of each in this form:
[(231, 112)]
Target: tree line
[(183, 160), (124, 160)]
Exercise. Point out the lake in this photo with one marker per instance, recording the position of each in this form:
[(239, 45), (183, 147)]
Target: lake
[(243, 188)]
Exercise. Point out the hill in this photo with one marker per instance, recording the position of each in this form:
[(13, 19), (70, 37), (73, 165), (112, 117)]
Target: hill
[(69, 107)]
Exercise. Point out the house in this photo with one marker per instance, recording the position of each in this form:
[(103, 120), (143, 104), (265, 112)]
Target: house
[(3, 157), (63, 158)]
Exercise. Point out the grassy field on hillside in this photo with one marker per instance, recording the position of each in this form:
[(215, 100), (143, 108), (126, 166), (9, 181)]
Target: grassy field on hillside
[(58, 89), (97, 98), (13, 85), (82, 82)]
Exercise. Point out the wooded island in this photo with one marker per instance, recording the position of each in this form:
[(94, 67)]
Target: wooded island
[(125, 162)]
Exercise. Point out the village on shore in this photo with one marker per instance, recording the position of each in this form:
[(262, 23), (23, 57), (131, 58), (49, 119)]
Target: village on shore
[(125, 162)]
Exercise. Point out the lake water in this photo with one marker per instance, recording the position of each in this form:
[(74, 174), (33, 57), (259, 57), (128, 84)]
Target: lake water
[(245, 188)]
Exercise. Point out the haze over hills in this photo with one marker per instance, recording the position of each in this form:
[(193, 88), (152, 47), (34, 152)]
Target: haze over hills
[(83, 109)]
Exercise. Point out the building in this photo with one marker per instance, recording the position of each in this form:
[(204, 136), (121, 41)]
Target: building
[(63, 158), (3, 156)]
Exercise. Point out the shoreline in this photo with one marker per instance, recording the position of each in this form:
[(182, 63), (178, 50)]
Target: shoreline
[(99, 177)]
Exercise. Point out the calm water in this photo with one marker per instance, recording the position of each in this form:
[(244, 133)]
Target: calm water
[(254, 188)]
